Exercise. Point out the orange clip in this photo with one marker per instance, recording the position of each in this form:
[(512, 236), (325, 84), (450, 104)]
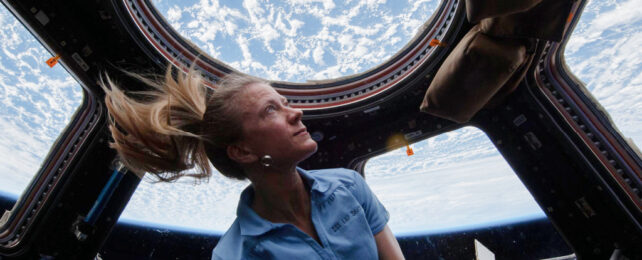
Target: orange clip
[(435, 42), (409, 151), (570, 17), (53, 61)]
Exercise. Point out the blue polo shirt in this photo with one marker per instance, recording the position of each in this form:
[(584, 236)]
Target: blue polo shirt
[(345, 214)]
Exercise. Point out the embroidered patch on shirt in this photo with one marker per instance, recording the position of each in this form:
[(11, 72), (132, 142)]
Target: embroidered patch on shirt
[(345, 219)]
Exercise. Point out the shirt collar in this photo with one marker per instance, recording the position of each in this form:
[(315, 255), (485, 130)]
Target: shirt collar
[(252, 224), (315, 184)]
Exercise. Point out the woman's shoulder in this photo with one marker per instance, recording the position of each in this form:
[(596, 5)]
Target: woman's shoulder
[(230, 246), (336, 175), (330, 179)]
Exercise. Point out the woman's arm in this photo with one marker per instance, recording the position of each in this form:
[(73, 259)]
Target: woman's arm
[(387, 245)]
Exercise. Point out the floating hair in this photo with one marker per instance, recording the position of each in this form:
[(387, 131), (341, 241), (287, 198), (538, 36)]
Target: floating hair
[(159, 131)]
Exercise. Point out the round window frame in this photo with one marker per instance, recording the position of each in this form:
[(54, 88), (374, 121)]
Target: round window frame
[(320, 98)]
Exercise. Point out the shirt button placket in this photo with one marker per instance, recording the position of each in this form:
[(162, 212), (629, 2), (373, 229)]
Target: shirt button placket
[(322, 254), (321, 232)]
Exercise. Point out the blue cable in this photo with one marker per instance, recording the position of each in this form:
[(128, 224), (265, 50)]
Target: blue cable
[(105, 195)]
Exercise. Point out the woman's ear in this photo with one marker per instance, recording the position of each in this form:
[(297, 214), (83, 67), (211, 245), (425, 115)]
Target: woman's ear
[(240, 154)]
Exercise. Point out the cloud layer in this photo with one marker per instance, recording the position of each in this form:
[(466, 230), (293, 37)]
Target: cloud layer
[(37, 103), (451, 182), (604, 53), (300, 39)]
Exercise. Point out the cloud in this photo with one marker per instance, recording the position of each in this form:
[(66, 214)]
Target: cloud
[(37, 104), (317, 55), (603, 52), (328, 5), (294, 25), (173, 14), (623, 14), (319, 38), (441, 186), (208, 206)]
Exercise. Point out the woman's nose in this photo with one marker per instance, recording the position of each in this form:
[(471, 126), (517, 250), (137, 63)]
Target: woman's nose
[(295, 114)]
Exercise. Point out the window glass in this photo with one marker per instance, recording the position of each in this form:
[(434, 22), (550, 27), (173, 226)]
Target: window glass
[(206, 207), (454, 181), (37, 104), (298, 40), (604, 53)]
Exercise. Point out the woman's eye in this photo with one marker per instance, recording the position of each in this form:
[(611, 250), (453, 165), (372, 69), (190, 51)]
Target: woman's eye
[(270, 108)]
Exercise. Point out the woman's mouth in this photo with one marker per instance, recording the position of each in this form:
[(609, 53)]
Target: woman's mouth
[(301, 131)]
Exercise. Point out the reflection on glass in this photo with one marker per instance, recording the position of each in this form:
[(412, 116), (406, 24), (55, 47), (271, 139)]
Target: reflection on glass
[(604, 53), (454, 181), (298, 40), (37, 104)]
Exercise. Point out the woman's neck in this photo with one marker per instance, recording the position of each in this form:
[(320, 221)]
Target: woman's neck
[(281, 197)]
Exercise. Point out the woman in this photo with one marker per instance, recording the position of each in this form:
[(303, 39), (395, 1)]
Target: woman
[(248, 131)]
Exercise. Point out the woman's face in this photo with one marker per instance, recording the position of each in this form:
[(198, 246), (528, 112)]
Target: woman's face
[(272, 127)]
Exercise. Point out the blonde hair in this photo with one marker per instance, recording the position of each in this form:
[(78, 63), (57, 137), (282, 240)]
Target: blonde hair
[(178, 125)]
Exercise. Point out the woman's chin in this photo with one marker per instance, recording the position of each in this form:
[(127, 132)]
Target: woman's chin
[(309, 149)]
